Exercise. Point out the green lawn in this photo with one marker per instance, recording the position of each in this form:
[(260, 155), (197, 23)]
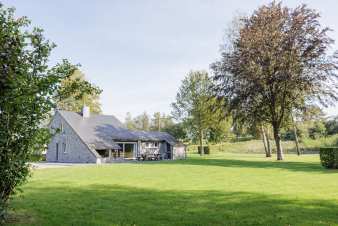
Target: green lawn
[(221, 189)]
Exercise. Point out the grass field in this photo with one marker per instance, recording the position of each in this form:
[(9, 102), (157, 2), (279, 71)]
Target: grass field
[(307, 145), (221, 189)]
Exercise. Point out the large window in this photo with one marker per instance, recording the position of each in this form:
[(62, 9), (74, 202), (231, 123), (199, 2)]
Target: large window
[(127, 150)]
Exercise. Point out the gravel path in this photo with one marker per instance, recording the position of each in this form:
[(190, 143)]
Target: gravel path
[(46, 165)]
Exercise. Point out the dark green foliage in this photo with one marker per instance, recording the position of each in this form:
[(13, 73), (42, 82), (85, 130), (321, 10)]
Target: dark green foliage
[(329, 157), (331, 126), (27, 86), (206, 150), (177, 130)]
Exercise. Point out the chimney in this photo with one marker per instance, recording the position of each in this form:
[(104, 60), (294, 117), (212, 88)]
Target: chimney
[(85, 111)]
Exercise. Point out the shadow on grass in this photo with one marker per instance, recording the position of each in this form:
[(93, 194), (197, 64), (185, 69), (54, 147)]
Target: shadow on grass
[(268, 164), (119, 205)]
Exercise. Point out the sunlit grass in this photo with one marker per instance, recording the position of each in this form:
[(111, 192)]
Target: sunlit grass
[(220, 189)]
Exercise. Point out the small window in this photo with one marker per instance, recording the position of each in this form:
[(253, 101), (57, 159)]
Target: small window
[(64, 148), (61, 128), (156, 144)]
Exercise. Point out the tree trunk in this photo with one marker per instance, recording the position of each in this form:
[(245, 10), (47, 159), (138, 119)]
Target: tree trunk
[(296, 137), (201, 142), (276, 134), (266, 143)]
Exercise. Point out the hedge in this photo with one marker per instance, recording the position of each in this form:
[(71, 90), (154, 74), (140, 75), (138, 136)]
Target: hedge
[(329, 157), (205, 148)]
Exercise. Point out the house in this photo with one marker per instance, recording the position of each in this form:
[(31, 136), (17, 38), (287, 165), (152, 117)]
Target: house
[(85, 138)]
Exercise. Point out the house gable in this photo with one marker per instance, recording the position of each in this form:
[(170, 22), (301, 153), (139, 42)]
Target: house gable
[(71, 148)]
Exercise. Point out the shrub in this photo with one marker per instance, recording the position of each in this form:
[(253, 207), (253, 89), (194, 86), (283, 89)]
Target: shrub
[(206, 150), (329, 157)]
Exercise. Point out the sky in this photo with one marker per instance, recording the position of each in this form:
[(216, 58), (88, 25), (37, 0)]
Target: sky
[(138, 52)]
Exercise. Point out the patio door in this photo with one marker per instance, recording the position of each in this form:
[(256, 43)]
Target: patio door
[(129, 149)]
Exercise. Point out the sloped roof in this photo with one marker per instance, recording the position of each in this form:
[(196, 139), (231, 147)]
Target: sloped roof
[(99, 131)]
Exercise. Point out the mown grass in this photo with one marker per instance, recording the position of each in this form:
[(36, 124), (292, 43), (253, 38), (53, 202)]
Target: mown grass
[(307, 145), (220, 189)]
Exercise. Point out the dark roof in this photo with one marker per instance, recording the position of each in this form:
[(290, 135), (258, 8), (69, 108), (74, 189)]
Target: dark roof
[(100, 131)]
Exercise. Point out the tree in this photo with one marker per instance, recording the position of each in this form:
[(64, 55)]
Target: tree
[(129, 123), (266, 142), (332, 126), (177, 130), (142, 122), (194, 104), (220, 131), (27, 86), (318, 130), (156, 121), (75, 91), (279, 62)]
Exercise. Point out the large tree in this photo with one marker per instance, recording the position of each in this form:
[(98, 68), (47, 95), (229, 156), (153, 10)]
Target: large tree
[(194, 105), (27, 85), (279, 62), (75, 91)]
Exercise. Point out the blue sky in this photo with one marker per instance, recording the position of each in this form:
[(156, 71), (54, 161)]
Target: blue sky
[(139, 51)]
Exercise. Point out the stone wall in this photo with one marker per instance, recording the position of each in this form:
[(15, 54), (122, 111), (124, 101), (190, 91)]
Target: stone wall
[(75, 149)]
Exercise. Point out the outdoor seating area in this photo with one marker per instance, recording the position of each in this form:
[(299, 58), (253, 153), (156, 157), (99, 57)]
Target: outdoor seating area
[(150, 154)]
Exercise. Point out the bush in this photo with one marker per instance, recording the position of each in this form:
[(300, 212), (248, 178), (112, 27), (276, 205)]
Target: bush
[(329, 157), (206, 150)]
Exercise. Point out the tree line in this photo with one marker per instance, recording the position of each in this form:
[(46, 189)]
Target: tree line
[(275, 65)]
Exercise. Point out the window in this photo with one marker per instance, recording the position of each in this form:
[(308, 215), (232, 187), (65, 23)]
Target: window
[(156, 144), (64, 148), (57, 152), (61, 128)]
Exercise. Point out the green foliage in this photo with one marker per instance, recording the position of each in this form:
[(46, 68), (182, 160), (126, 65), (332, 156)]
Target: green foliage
[(40, 142), (75, 91), (177, 130), (331, 126), (220, 131), (277, 65), (195, 107), (329, 157), (318, 130), (27, 86)]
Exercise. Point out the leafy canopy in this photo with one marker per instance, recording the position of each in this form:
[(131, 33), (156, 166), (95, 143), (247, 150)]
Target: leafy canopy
[(279, 62), (75, 91), (27, 87)]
